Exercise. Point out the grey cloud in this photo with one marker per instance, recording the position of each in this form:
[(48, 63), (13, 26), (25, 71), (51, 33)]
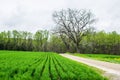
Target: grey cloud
[(38, 13)]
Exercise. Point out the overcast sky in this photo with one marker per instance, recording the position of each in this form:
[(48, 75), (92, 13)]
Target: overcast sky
[(32, 15)]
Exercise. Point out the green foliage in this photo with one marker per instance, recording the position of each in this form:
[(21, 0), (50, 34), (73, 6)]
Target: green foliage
[(43, 66), (56, 44), (103, 57), (101, 42), (41, 38), (24, 41)]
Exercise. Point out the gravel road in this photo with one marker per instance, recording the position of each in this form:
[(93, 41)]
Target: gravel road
[(112, 70)]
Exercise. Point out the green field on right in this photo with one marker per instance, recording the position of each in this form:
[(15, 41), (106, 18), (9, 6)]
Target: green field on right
[(102, 57)]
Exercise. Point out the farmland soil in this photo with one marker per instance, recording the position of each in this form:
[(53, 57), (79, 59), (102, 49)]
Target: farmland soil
[(111, 70)]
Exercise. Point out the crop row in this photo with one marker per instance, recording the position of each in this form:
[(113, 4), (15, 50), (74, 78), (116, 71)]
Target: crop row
[(43, 66)]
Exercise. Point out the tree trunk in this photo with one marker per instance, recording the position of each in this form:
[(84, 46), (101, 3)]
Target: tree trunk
[(77, 48)]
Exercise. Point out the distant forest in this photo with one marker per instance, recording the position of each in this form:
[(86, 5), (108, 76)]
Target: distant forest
[(43, 40)]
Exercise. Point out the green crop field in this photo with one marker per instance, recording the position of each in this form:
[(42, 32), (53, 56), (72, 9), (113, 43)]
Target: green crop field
[(103, 57), (20, 65)]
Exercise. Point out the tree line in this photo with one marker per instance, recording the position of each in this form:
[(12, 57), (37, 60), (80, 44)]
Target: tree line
[(101, 42), (23, 40), (43, 40)]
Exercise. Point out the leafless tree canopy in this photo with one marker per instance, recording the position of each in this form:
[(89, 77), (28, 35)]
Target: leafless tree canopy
[(73, 24)]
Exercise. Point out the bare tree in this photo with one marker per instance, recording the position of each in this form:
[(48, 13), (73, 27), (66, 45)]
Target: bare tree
[(73, 23)]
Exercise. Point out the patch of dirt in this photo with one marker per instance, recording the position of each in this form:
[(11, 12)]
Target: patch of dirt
[(111, 76)]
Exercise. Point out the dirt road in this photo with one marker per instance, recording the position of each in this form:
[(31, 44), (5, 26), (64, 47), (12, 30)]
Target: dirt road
[(112, 70)]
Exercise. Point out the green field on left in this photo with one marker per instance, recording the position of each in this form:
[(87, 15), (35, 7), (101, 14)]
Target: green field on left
[(19, 65)]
